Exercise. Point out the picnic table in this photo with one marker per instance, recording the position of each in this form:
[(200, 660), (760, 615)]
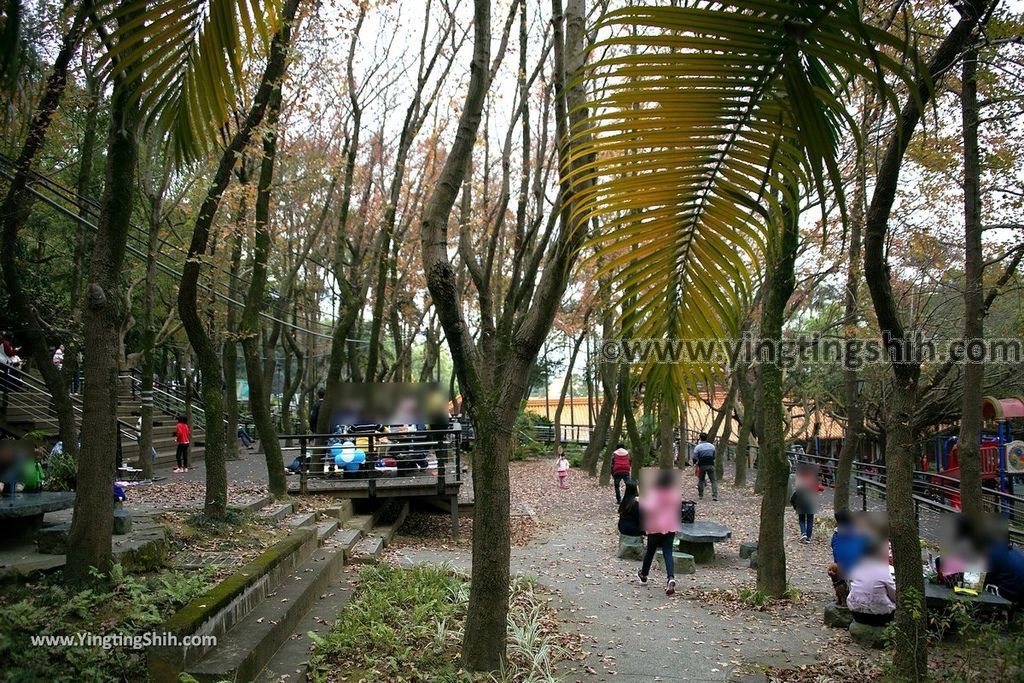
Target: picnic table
[(24, 511), (699, 539), (938, 596)]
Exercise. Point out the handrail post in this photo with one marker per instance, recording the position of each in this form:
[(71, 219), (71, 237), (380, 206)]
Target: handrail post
[(303, 465)]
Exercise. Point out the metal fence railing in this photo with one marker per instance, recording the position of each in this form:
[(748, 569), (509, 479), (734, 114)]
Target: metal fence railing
[(429, 455)]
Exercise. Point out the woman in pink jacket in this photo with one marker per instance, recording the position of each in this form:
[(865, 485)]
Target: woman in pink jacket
[(660, 507)]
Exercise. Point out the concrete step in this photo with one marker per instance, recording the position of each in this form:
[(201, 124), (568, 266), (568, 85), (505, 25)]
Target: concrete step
[(243, 652), (325, 530), (302, 519), (368, 550), (347, 539), (276, 513), (387, 531), (361, 523), (343, 511), (253, 506), (290, 662)]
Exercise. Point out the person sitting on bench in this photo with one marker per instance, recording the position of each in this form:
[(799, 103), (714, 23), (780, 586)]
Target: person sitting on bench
[(872, 598)]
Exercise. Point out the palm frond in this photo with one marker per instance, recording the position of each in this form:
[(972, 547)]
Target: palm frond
[(183, 61), (706, 122)]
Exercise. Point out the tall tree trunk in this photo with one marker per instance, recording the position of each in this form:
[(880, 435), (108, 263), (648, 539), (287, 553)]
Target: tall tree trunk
[(665, 423), (974, 323), (779, 285), (229, 350), (207, 354), (723, 418), (854, 413), (565, 390), (911, 653), (84, 188), (606, 370), (249, 328), (145, 461), (746, 396), (92, 526), (14, 213)]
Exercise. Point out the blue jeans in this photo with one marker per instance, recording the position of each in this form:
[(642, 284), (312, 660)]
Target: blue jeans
[(664, 542), (806, 524), (244, 436), (619, 478)]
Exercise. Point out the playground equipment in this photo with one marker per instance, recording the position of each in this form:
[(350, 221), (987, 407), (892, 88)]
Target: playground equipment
[(1002, 457)]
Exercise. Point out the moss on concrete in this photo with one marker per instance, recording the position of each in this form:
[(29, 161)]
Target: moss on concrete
[(188, 619)]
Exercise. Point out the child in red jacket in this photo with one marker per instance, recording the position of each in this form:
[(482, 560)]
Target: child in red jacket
[(621, 469), (183, 436)]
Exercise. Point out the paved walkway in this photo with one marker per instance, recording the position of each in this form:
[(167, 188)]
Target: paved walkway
[(637, 633)]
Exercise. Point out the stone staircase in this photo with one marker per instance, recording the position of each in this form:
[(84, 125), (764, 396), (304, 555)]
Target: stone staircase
[(29, 409), (297, 587)]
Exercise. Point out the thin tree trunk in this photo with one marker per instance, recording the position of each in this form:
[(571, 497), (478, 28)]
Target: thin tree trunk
[(92, 526), (911, 626), (723, 417), (206, 353), (771, 568), (748, 404), (974, 322), (249, 328), (229, 350), (854, 412), (145, 461), (565, 390)]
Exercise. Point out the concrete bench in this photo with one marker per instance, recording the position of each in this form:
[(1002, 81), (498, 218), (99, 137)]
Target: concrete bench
[(682, 563), (699, 538), (23, 512)]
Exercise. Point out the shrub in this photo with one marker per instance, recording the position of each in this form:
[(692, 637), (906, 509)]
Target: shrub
[(118, 603), (407, 624), (61, 472)]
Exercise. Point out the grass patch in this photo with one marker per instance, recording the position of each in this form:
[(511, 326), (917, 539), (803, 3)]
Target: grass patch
[(407, 625), (118, 604)]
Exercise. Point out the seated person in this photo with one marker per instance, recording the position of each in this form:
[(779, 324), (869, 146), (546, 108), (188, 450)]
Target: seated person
[(1006, 571), (848, 543), (872, 598), (630, 523), (32, 476)]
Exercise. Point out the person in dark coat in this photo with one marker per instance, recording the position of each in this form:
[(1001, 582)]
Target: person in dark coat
[(630, 522)]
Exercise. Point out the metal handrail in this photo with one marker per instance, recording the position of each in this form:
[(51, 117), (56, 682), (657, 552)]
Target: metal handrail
[(447, 449), (13, 382), (174, 403)]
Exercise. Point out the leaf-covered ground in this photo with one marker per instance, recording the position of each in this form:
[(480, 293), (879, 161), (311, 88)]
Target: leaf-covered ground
[(631, 632)]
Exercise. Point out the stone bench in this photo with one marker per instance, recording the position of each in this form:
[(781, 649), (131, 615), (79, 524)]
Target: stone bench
[(837, 616), (682, 563), (868, 636), (630, 547), (23, 512), (699, 538)]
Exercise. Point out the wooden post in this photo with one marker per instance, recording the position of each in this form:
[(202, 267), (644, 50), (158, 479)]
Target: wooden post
[(454, 503)]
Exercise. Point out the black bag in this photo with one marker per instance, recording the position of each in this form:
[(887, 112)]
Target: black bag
[(688, 512)]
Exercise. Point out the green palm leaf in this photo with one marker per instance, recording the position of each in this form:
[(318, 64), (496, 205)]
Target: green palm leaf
[(707, 123), (183, 60)]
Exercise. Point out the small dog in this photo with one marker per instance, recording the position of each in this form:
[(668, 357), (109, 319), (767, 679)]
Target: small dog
[(839, 584)]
